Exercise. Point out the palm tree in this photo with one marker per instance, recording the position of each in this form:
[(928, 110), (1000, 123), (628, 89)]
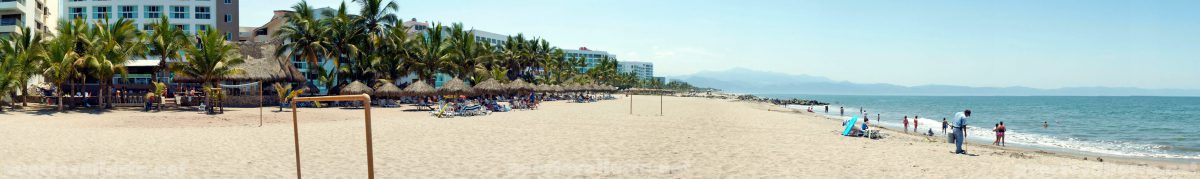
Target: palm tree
[(303, 38), (398, 45), (377, 15), (210, 60), (345, 36), (431, 50), (24, 49), (59, 66), (166, 41), (8, 77), (112, 44)]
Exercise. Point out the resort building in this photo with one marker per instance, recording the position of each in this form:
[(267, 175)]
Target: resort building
[(590, 57), (643, 70), (33, 14), (190, 15)]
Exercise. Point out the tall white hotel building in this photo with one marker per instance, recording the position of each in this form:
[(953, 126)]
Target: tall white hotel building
[(190, 15)]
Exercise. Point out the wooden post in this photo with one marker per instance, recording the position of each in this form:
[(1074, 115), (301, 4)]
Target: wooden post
[(660, 103), (630, 102), (370, 157), (296, 136)]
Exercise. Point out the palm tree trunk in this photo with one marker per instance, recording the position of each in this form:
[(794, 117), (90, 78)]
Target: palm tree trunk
[(24, 95), (58, 92), (100, 95)]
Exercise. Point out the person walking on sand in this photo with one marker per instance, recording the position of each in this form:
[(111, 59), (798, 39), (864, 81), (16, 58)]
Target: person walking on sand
[(960, 130), (944, 125), (915, 120), (905, 124)]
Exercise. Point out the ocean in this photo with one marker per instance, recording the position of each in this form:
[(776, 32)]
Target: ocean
[(1165, 128)]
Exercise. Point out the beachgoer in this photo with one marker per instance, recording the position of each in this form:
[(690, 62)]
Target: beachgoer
[(960, 130), (997, 130), (944, 125), (826, 109), (1045, 124), (1000, 132), (915, 119), (841, 111), (905, 124)]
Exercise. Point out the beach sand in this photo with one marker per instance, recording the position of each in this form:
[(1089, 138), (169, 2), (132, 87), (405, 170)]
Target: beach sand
[(694, 138)]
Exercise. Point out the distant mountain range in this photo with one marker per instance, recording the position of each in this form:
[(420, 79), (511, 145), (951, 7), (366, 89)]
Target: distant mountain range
[(743, 80)]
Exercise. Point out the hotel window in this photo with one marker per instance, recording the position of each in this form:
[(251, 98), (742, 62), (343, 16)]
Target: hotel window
[(78, 13), (201, 28), (101, 12), (148, 27), (228, 1), (179, 12), (228, 18), (129, 12), (229, 36), (153, 12), (203, 12)]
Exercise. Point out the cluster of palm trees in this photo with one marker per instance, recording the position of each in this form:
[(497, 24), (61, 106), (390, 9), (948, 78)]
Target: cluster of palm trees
[(375, 46), (81, 50)]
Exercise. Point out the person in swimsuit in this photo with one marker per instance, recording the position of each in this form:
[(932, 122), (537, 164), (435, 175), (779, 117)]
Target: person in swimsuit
[(915, 119), (944, 125), (905, 124), (997, 130), (1000, 132)]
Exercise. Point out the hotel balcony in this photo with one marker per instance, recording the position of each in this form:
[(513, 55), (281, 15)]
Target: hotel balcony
[(12, 6)]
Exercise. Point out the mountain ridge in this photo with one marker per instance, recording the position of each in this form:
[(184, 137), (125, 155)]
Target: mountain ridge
[(742, 80)]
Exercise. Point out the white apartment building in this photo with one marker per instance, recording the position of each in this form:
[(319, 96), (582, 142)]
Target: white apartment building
[(190, 15), (35, 14), (590, 57), (643, 70)]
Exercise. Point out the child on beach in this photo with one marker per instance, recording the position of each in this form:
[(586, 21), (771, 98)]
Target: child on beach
[(905, 124), (944, 125)]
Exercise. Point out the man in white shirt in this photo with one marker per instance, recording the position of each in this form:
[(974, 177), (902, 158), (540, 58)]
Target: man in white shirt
[(960, 130)]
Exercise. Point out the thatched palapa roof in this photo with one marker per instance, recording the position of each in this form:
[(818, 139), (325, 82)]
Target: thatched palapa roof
[(490, 86), (419, 88), (356, 88), (261, 65), (520, 85), (455, 86), (387, 89)]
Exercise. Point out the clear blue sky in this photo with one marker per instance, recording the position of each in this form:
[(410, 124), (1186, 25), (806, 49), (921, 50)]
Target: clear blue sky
[(1041, 44)]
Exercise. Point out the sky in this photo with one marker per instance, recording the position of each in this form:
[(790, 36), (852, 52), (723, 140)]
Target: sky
[(1040, 44)]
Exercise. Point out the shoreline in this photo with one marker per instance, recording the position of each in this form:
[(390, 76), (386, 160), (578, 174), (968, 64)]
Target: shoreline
[(1174, 164)]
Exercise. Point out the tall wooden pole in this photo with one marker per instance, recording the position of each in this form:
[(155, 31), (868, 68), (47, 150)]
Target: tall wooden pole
[(370, 153), (296, 136)]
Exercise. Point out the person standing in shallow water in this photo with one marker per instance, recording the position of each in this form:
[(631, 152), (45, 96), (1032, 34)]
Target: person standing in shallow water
[(944, 125), (841, 111), (826, 109), (905, 124), (915, 119)]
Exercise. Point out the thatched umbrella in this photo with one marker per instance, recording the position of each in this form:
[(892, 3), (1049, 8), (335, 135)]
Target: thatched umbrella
[(261, 65), (519, 85), (355, 88), (455, 86), (543, 88), (419, 88), (490, 86), (387, 89)]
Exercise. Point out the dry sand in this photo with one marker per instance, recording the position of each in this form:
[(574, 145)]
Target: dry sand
[(695, 138)]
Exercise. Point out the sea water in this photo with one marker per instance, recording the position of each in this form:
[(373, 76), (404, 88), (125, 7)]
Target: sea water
[(1144, 127)]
